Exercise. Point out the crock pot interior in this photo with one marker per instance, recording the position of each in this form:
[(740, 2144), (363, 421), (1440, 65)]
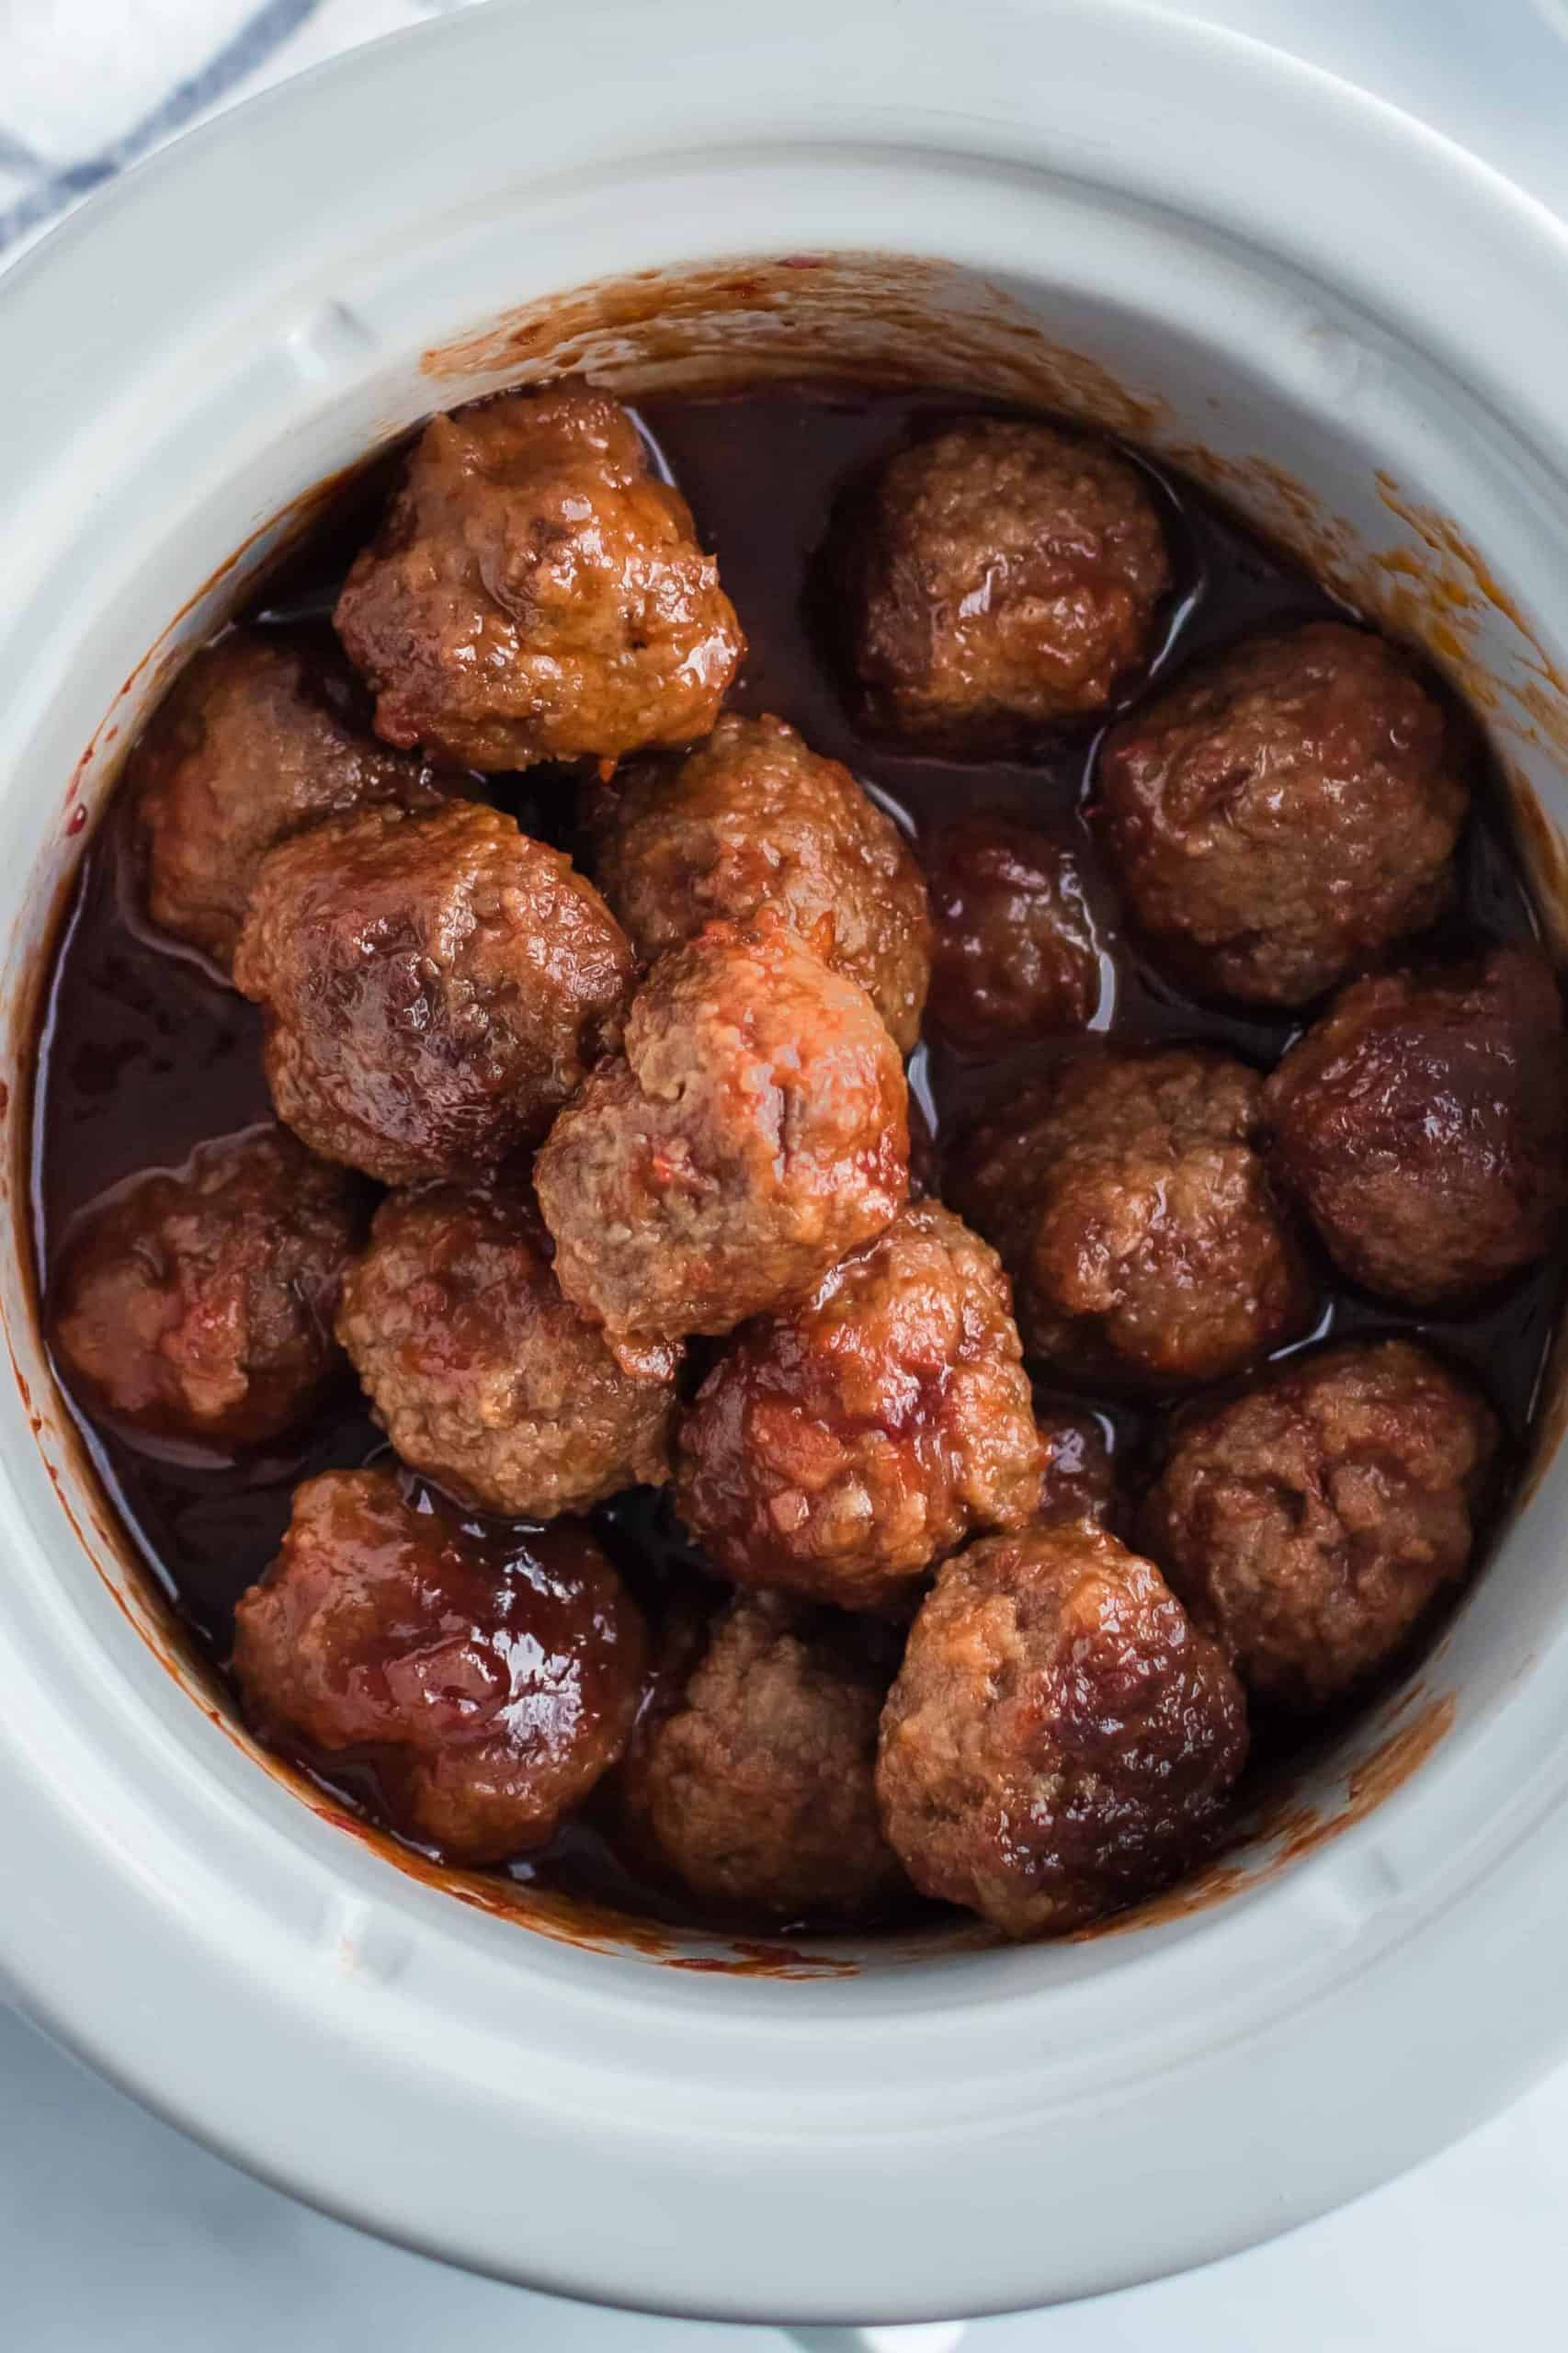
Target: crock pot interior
[(1363, 457)]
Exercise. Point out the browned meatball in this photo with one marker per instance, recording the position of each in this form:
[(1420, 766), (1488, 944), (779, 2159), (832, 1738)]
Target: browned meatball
[(536, 593), (254, 743), (1135, 1216), (1005, 577), (752, 819), (1079, 1478), (1424, 1122), (484, 1377), (1061, 1737), (838, 1449), (1310, 1521), (198, 1302), (1015, 952), (434, 987), (755, 1130), (1284, 813), (751, 1780), (485, 1682)]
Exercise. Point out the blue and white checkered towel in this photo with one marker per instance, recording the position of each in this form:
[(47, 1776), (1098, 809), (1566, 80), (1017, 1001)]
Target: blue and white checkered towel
[(87, 87)]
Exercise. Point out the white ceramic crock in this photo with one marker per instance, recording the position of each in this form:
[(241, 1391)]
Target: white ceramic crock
[(1364, 336)]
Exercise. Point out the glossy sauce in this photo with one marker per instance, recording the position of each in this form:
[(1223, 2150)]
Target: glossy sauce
[(144, 1053)]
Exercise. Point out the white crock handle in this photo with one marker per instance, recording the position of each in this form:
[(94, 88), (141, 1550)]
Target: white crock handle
[(937, 2336)]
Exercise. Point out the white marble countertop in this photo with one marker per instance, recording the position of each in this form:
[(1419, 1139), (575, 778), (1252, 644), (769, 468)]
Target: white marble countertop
[(117, 2236)]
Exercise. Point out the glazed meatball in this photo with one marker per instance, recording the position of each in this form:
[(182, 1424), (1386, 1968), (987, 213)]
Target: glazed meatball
[(756, 1129), (197, 1302), (254, 743), (1014, 950), (1423, 1123), (485, 1682), (1079, 1479), (484, 1377), (752, 819), (1310, 1521), (1284, 813), (1006, 578), (1135, 1217), (751, 1779), (536, 593), (433, 986), (838, 1449), (1061, 1737)]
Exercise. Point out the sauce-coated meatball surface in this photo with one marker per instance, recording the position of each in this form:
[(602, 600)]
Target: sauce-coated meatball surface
[(838, 1449), (484, 1377), (1007, 576), (751, 1781), (536, 593), (486, 1681), (198, 1302), (254, 743), (1015, 949), (757, 1128), (1423, 1123), (1061, 1736), (1284, 813), (754, 819), (1310, 1521), (1134, 1214), (435, 986)]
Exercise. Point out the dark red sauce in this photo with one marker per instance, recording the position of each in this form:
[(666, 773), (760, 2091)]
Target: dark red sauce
[(144, 1052)]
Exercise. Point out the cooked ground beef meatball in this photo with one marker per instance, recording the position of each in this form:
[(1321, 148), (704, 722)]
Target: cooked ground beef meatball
[(1014, 949), (536, 593), (254, 743), (1061, 1737), (1079, 1478), (1135, 1217), (838, 1449), (484, 1377), (486, 1682), (1310, 1521), (197, 1302), (1283, 814), (435, 986), (751, 1779), (752, 819), (1424, 1122), (1004, 577), (755, 1130)]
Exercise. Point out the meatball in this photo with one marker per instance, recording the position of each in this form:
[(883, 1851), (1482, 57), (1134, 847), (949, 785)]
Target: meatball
[(1310, 1521), (1015, 951), (838, 1449), (752, 819), (756, 1129), (1135, 1217), (536, 593), (750, 1780), (254, 743), (1005, 576), (1423, 1123), (484, 1377), (1284, 813), (1079, 1478), (197, 1302), (1061, 1737), (484, 1682), (435, 986)]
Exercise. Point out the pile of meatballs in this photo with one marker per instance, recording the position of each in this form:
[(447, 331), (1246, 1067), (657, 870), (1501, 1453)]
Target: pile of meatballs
[(601, 1179)]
